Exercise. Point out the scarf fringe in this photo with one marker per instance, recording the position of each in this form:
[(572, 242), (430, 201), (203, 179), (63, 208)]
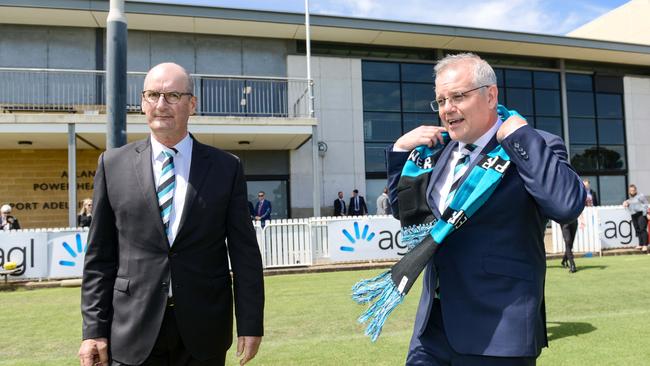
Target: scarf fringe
[(413, 235), (382, 289)]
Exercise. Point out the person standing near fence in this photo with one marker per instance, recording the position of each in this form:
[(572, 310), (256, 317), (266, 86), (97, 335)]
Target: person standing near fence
[(637, 206), (339, 205), (7, 221), (156, 280), (357, 206), (262, 208), (569, 230), (383, 203)]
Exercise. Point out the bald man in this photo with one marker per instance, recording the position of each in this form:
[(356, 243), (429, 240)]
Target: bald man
[(157, 289)]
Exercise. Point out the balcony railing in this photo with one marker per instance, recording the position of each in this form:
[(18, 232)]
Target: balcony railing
[(83, 91)]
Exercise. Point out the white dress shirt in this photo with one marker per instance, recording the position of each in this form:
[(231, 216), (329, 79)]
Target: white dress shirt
[(182, 162), (446, 177)]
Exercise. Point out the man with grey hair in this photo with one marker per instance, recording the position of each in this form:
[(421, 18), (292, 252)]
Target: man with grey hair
[(483, 291), (7, 221), (170, 218)]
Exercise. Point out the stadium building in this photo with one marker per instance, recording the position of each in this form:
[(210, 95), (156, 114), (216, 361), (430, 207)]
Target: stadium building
[(372, 82)]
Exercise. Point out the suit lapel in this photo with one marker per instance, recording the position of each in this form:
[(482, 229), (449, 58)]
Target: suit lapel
[(199, 167), (144, 174)]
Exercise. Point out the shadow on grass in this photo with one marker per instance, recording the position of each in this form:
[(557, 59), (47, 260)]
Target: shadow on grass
[(557, 330), (581, 267)]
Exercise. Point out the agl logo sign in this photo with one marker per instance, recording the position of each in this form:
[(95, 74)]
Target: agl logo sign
[(372, 238)]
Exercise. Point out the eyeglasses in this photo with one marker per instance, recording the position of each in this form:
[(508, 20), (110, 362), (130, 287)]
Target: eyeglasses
[(170, 97), (260, 195), (454, 99)]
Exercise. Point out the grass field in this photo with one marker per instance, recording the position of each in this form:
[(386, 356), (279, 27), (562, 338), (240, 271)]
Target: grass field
[(598, 316)]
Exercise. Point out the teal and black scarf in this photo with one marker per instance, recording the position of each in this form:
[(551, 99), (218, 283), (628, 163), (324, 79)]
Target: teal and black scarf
[(421, 231)]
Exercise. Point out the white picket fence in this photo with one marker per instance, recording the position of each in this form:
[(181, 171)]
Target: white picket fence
[(587, 238)]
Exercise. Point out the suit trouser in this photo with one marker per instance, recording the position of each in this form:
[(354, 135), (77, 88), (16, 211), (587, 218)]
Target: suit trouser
[(169, 349), (433, 349), (640, 223), (569, 235)]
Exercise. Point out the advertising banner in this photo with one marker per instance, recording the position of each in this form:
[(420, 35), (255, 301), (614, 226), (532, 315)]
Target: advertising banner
[(616, 230), (365, 239), (68, 252), (28, 250)]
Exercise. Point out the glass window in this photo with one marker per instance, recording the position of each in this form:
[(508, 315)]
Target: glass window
[(520, 100), (579, 82), (502, 96), (417, 72), (416, 97), (547, 103), (612, 189), (612, 157), (610, 131), (609, 105), (388, 71), (518, 78), (375, 157), (550, 124), (413, 120), (584, 157), (546, 79), (275, 191), (582, 131), (499, 74), (581, 104), (378, 96), (381, 126)]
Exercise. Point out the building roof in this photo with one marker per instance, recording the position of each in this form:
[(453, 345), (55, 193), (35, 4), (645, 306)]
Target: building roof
[(285, 25), (627, 23)]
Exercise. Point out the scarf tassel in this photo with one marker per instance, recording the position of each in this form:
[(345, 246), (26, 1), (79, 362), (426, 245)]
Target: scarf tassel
[(382, 290)]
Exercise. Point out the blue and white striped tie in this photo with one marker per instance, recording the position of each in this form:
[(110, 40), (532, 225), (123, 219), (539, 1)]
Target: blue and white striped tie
[(459, 171), (166, 185)]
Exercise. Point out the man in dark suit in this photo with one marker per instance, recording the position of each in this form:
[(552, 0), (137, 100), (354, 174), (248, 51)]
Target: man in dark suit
[(592, 197), (483, 291), (357, 206), (156, 285), (262, 208), (339, 205)]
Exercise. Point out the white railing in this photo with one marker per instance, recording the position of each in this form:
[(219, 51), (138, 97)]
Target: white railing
[(587, 239), (83, 91)]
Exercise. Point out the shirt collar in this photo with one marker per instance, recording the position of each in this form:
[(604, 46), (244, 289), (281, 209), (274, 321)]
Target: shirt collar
[(183, 147), (482, 141)]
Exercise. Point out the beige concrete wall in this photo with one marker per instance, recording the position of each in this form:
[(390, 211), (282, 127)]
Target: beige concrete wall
[(628, 23), (34, 182)]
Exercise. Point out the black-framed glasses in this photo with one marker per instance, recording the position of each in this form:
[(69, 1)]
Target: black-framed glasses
[(453, 99), (173, 97)]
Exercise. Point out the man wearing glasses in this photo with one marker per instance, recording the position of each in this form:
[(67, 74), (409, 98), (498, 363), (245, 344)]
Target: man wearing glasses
[(483, 291), (157, 289), (262, 208)]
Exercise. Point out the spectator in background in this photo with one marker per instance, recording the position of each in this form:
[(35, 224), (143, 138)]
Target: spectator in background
[(262, 208), (383, 204), (339, 206), (357, 206), (7, 221), (637, 206), (85, 217), (592, 198)]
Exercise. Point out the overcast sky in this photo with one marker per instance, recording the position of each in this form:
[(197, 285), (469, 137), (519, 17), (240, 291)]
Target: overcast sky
[(534, 16)]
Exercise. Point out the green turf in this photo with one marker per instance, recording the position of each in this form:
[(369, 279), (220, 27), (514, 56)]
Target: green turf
[(598, 316)]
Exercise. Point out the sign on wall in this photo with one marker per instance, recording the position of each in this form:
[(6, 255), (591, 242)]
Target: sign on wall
[(28, 250), (365, 239), (68, 252), (616, 229)]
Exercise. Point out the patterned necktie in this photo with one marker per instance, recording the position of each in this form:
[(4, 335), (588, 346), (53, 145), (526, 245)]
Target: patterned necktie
[(166, 185), (459, 170)]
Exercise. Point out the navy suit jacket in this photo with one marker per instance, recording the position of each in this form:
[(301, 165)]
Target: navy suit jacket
[(266, 210), (491, 271)]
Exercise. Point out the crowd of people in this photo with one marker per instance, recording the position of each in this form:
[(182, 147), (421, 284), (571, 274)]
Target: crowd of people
[(356, 206)]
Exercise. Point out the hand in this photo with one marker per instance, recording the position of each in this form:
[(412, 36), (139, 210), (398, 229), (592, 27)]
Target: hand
[(626, 203), (94, 352), (247, 346), (509, 126), (423, 135), (257, 218)]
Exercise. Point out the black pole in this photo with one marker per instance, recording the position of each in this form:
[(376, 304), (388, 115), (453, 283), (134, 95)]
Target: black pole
[(116, 33)]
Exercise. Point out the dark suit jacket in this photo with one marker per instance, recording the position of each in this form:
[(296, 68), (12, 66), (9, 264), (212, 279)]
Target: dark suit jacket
[(266, 210), (594, 197), (492, 270), (363, 209), (129, 262), (339, 207)]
